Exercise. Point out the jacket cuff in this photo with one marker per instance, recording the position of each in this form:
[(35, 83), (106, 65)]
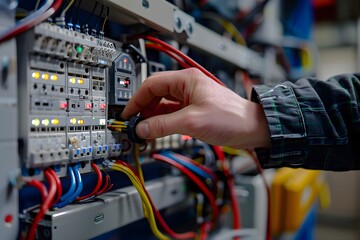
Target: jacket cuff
[(286, 126)]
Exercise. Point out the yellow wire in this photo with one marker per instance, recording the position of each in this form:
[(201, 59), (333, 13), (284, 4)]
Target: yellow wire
[(146, 203), (137, 162), (103, 26), (67, 8)]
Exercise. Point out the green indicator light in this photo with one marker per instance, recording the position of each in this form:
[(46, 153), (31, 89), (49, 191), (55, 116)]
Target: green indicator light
[(79, 49)]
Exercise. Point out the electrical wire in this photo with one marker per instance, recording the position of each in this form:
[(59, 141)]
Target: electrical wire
[(78, 190), (99, 16), (58, 185), (72, 187), (45, 204), (105, 19), (196, 180), (92, 12), (107, 185), (159, 218), (190, 165), (67, 8), (97, 186), (230, 183), (268, 193), (172, 55), (39, 186), (186, 58), (145, 200), (46, 11)]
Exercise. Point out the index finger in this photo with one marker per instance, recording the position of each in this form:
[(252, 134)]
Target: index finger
[(171, 83)]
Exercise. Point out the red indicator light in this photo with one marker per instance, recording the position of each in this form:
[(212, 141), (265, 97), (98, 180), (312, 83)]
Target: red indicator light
[(125, 60), (88, 106), (102, 106), (63, 105), (185, 137), (8, 218)]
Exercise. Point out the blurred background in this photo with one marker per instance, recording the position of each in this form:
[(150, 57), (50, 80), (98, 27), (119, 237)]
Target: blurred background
[(337, 35)]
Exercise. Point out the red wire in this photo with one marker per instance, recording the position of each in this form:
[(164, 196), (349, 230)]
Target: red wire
[(230, 183), (172, 55), (58, 185), (191, 161), (45, 205), (186, 58), (107, 186), (39, 186), (196, 180), (159, 218), (97, 186), (22, 28), (260, 170)]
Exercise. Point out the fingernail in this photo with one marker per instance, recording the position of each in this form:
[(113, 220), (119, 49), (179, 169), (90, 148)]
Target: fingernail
[(142, 130)]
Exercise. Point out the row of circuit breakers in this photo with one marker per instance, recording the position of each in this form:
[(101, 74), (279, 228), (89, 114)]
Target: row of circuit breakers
[(67, 83)]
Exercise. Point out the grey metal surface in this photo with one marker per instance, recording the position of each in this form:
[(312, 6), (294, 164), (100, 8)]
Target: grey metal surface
[(170, 20), (9, 162), (111, 211)]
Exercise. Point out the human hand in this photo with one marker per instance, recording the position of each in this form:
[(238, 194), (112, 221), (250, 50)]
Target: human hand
[(188, 102)]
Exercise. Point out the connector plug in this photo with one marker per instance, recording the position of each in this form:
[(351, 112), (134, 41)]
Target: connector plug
[(131, 129)]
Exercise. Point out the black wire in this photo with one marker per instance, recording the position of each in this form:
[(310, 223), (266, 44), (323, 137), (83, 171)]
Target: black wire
[(99, 16), (77, 12), (92, 12), (250, 16)]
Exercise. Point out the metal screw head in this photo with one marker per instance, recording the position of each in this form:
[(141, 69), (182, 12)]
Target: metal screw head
[(145, 3), (178, 22)]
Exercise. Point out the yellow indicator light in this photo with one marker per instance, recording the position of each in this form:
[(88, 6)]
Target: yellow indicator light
[(55, 121), (35, 75), (73, 120), (45, 76), (80, 81), (35, 122), (72, 80), (54, 77), (81, 121), (45, 122)]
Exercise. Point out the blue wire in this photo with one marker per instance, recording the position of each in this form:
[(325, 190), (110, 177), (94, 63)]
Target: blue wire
[(72, 186), (190, 166), (79, 188)]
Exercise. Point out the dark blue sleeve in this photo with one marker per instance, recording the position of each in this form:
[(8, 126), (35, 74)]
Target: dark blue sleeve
[(313, 124)]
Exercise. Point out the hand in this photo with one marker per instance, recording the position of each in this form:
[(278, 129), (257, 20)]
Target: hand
[(188, 102)]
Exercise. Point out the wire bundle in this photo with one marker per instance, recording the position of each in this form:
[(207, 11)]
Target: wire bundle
[(46, 11), (49, 196)]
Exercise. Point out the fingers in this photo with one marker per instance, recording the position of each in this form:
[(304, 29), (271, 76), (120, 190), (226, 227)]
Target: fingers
[(161, 108), (172, 83), (162, 125)]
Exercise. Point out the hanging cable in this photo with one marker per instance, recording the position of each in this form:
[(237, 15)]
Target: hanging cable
[(105, 19), (159, 218), (58, 185), (63, 13), (97, 186), (92, 12), (39, 186), (268, 193), (186, 58), (145, 200), (196, 180), (45, 204), (230, 183), (79, 187), (72, 187), (40, 15), (107, 185), (99, 16)]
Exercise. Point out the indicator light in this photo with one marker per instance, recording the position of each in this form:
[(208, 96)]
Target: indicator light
[(79, 49), (73, 120), (35, 75), (54, 77), (55, 121), (35, 122), (63, 105), (88, 106), (102, 106), (80, 81), (45, 76), (8, 218), (45, 122), (72, 80), (125, 60), (81, 121)]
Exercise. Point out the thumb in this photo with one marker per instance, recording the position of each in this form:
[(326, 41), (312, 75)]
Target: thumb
[(161, 125)]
